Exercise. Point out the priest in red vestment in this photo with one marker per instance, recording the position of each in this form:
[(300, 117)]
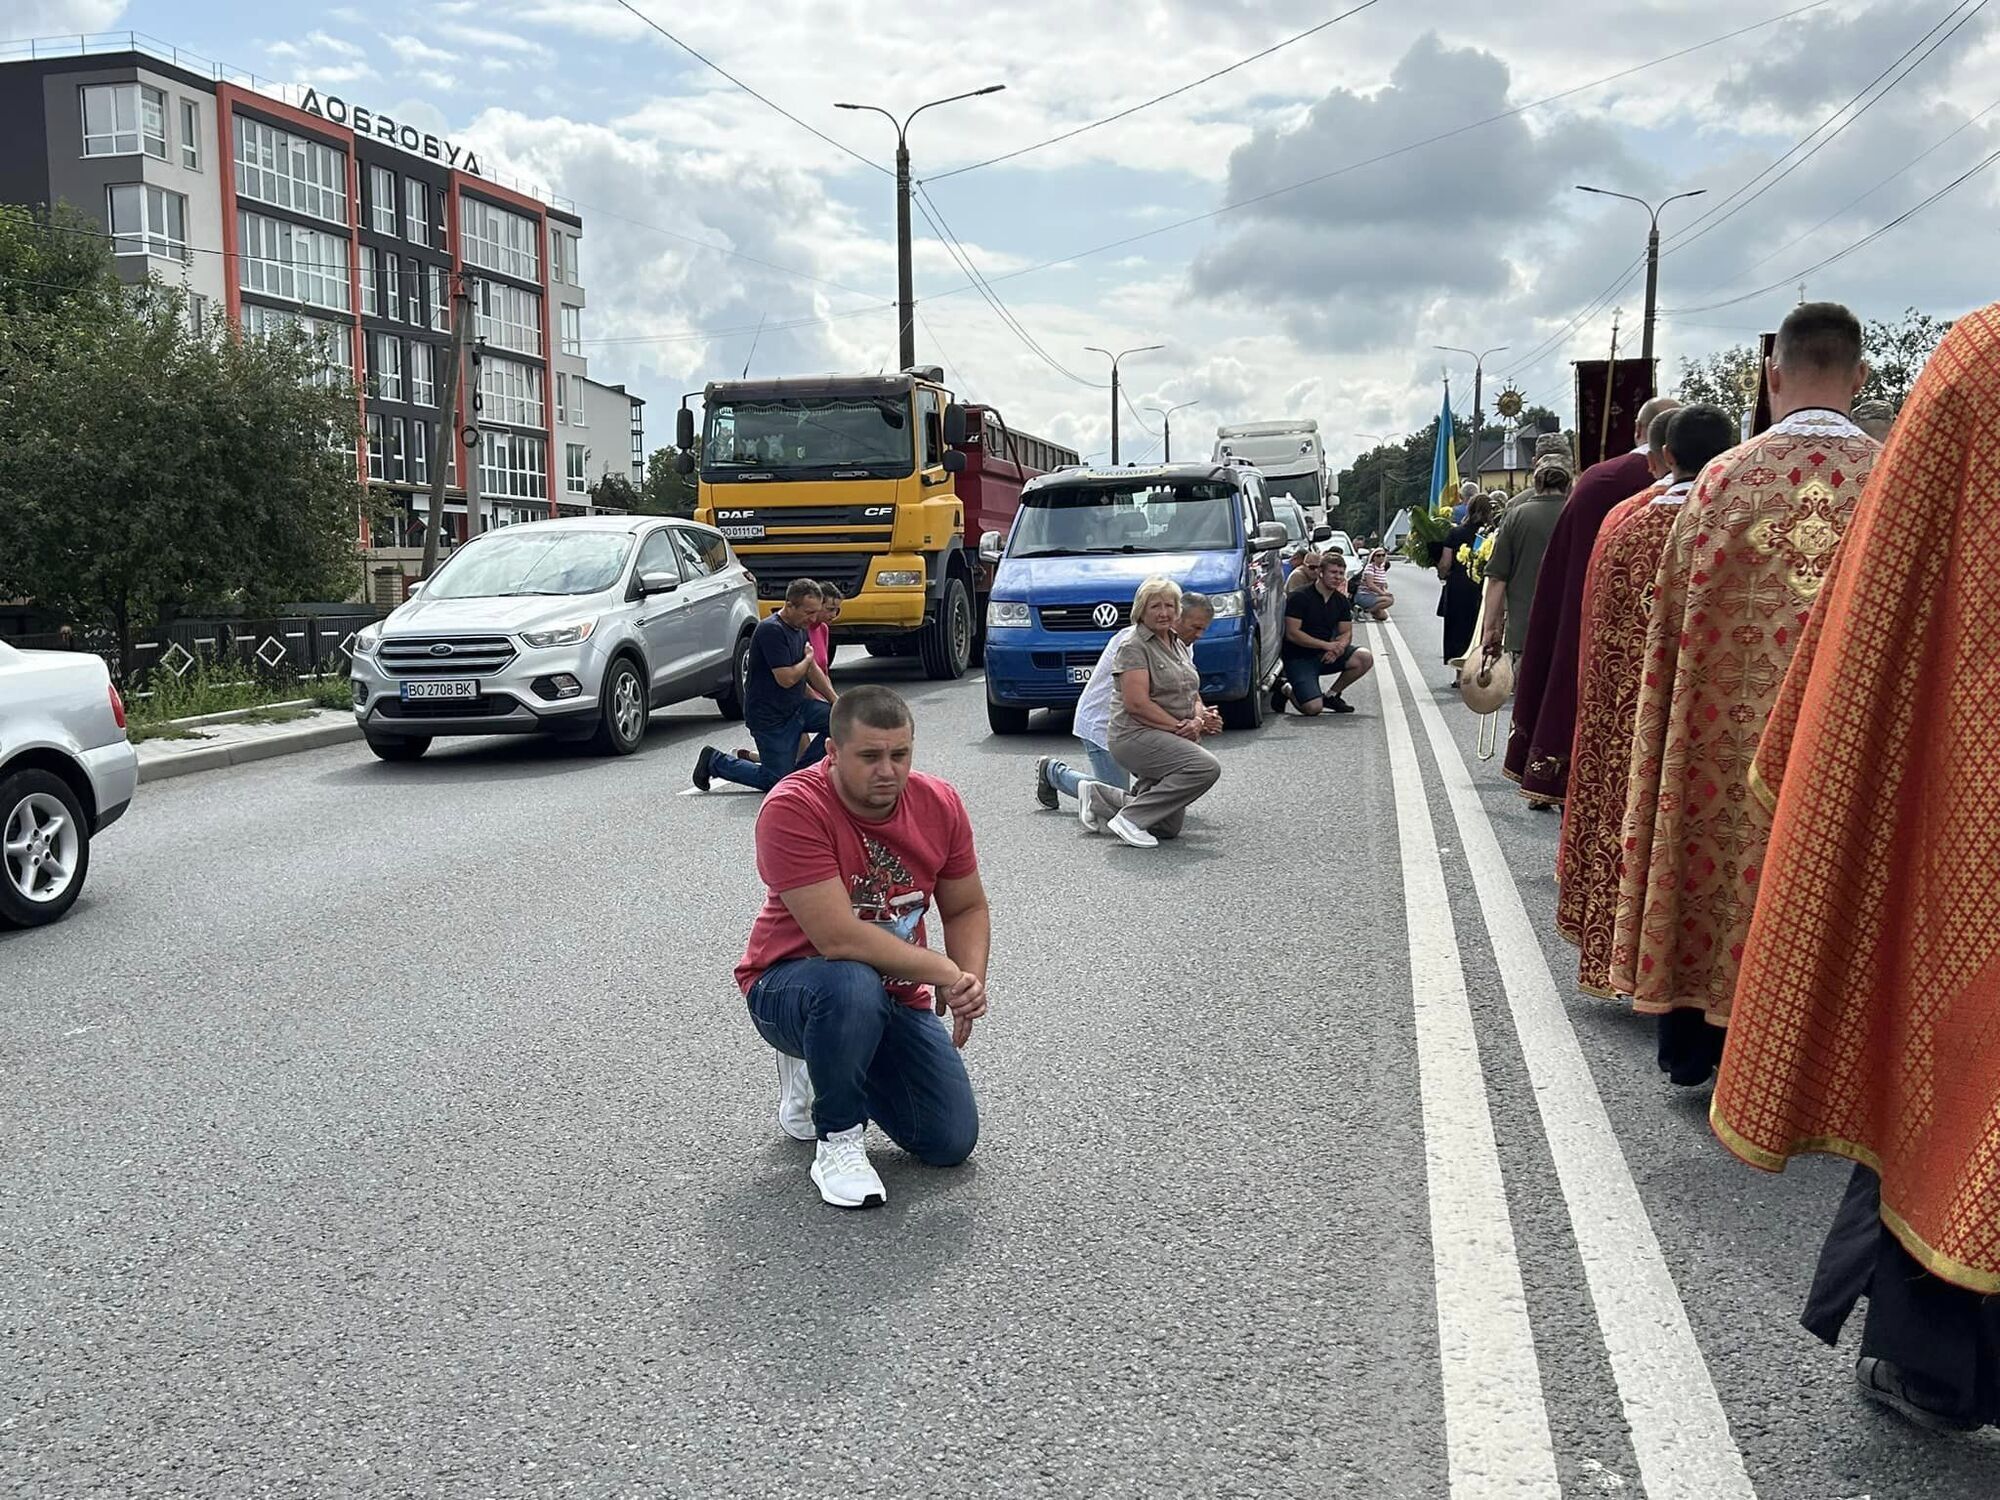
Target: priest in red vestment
[(1617, 599), (1867, 1013), (1538, 746), (1741, 569)]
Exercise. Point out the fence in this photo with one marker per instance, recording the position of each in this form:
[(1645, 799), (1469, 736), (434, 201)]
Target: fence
[(292, 645)]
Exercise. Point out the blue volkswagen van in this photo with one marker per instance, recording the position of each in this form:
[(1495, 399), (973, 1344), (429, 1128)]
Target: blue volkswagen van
[(1083, 542)]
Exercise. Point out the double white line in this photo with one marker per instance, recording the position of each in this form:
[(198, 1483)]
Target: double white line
[(1497, 1436)]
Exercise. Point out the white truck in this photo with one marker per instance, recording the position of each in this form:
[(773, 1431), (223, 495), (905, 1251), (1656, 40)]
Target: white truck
[(1288, 454)]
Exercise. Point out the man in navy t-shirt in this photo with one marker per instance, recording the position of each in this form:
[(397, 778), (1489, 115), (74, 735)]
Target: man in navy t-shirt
[(778, 709)]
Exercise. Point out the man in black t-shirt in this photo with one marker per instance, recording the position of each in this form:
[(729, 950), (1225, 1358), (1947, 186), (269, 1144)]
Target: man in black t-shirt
[(778, 710), (1319, 638)]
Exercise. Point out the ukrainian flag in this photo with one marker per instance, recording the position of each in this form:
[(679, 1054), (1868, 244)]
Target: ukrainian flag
[(1444, 460)]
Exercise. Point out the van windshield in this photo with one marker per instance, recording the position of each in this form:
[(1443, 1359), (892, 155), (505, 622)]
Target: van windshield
[(1145, 517)]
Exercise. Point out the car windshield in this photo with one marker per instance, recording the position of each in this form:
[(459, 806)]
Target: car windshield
[(1067, 521), (1303, 488), (1295, 519), (811, 433), (533, 560)]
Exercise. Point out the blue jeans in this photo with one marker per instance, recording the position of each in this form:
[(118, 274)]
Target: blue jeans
[(1065, 778), (777, 750), (871, 1057)]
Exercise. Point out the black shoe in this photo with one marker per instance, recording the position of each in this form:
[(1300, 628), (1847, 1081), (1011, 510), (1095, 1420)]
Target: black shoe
[(1881, 1381), (1045, 792), (1279, 696), (1338, 705), (701, 766)]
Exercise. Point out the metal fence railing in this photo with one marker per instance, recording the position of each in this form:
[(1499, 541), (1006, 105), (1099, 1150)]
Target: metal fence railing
[(283, 645)]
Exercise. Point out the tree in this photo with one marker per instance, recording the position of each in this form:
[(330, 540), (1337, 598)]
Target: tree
[(1897, 353), (1727, 380), (53, 258), (147, 471), (667, 491), (615, 492)]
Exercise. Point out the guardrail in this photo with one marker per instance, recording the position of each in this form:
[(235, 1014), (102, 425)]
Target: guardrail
[(295, 645)]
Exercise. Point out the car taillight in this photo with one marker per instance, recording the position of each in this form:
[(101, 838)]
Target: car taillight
[(117, 705)]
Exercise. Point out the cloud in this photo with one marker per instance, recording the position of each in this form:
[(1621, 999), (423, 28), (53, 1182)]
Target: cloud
[(24, 19), (487, 40), (316, 43), (410, 49), (1828, 57)]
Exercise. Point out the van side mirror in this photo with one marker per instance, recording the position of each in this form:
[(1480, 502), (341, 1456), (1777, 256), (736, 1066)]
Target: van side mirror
[(955, 428), (684, 461), (1322, 533), (684, 429), (1271, 535), (953, 461), (990, 547)]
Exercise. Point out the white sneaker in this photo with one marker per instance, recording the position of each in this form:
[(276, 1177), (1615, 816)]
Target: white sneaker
[(1086, 806), (1131, 833), (795, 1098), (841, 1171)]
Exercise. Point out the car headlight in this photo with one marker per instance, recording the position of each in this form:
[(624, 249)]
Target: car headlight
[(1227, 606), (366, 642), (900, 578), (1006, 614), (573, 634)]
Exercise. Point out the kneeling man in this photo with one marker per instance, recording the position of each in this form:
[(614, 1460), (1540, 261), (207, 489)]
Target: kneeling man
[(838, 975)]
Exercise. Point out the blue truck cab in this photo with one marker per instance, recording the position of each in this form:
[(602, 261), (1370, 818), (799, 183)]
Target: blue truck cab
[(1082, 543)]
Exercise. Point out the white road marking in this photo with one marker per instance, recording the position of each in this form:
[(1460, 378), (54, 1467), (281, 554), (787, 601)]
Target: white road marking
[(1680, 1434), (1497, 1441)]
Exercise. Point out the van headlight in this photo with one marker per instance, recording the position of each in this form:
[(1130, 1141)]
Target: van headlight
[(575, 633), (1006, 614), (1227, 606)]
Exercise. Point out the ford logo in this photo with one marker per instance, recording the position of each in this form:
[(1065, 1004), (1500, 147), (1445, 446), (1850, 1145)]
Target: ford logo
[(442, 648), (1104, 616)]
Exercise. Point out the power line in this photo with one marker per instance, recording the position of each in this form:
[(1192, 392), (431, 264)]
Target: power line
[(1591, 309), (768, 265), (717, 67), (961, 378), (1157, 98)]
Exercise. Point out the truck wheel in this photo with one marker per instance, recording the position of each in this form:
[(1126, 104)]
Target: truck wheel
[(44, 848), (1002, 719), (730, 699), (946, 642)]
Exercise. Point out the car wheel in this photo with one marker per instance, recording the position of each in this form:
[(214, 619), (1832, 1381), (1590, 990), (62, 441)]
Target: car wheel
[(44, 848), (946, 642), (1003, 719), (403, 747), (730, 699), (621, 722)]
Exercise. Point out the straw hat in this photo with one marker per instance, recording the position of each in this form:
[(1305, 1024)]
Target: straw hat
[(1485, 684)]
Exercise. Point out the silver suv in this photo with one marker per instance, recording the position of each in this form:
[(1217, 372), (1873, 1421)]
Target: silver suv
[(578, 628)]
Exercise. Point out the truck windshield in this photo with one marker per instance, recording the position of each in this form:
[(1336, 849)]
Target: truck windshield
[(1303, 488), (811, 433), (1064, 522), (532, 561)]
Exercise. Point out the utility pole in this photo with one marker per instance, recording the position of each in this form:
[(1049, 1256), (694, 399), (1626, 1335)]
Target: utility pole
[(444, 430), (906, 299), (1478, 389), (1166, 417), (1652, 263), (1610, 388), (1114, 358)]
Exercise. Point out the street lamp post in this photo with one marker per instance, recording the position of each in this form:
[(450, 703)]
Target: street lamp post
[(1478, 389), (1382, 491), (1114, 358), (1167, 427), (1652, 259), (906, 302)]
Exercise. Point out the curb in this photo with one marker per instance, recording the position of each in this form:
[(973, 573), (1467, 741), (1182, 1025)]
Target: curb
[(342, 731)]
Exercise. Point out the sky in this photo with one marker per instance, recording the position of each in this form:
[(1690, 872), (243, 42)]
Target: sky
[(1298, 233)]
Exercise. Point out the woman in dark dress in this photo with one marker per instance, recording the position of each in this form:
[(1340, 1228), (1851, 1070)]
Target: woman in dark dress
[(1459, 606)]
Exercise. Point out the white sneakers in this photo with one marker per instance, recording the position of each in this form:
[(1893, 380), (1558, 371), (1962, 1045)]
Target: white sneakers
[(1131, 833), (795, 1098), (841, 1171), (1091, 816), (1086, 806)]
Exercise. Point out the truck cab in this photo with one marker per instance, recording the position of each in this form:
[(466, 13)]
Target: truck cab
[(1083, 542)]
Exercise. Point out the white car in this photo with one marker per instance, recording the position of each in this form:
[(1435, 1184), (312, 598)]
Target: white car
[(1327, 539), (67, 773)]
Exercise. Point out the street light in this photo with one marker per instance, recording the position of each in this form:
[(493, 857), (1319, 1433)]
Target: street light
[(1167, 426), (1382, 491), (1478, 388), (906, 302), (1114, 358), (1652, 260)]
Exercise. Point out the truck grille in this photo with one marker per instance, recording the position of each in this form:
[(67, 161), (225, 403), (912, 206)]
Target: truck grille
[(792, 517), (1084, 616), (466, 656), (774, 571)]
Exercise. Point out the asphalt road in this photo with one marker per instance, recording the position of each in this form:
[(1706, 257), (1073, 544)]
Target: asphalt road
[(398, 1131)]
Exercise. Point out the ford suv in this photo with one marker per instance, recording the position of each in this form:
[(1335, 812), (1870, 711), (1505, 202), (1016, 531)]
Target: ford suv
[(577, 628)]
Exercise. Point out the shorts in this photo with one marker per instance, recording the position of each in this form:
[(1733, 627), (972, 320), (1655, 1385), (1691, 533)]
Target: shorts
[(1304, 673), (1368, 602)]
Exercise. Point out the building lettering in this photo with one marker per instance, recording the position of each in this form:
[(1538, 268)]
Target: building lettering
[(364, 121)]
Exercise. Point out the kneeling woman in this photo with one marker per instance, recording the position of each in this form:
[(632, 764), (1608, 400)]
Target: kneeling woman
[(1157, 722)]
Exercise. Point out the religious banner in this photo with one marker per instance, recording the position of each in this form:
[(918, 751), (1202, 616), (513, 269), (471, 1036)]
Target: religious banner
[(1761, 420), (1629, 387)]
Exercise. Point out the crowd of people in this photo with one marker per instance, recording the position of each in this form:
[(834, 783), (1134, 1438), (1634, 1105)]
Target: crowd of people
[(1750, 675)]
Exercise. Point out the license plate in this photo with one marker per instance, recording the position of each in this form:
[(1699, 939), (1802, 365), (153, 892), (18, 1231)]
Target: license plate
[(742, 533), (1079, 674), (458, 688)]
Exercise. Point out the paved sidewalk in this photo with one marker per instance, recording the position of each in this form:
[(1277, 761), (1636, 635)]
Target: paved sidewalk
[(213, 746)]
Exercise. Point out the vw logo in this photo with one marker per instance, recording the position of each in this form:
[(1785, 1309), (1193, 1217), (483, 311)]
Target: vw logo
[(1104, 616), (442, 648)]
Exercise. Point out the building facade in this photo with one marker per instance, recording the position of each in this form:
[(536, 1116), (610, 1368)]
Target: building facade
[(321, 215)]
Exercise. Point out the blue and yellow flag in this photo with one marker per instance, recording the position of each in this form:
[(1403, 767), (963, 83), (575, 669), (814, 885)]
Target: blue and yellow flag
[(1444, 460)]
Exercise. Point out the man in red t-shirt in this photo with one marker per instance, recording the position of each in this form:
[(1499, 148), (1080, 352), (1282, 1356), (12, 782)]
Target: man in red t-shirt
[(837, 973)]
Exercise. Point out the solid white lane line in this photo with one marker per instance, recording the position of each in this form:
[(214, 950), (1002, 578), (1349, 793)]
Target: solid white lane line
[(1680, 1433), (1497, 1441)]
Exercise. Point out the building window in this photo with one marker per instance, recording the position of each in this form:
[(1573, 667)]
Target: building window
[(371, 301), (191, 135), (385, 366), (334, 341), (148, 221), (393, 465), (392, 285), (511, 392), (562, 399), (513, 467), (381, 200), (573, 462), (420, 455), (376, 467), (418, 198), (123, 119), (564, 257), (288, 171), (572, 330), (292, 263), (413, 288), (496, 240), (510, 318), (423, 373), (440, 280), (197, 314)]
